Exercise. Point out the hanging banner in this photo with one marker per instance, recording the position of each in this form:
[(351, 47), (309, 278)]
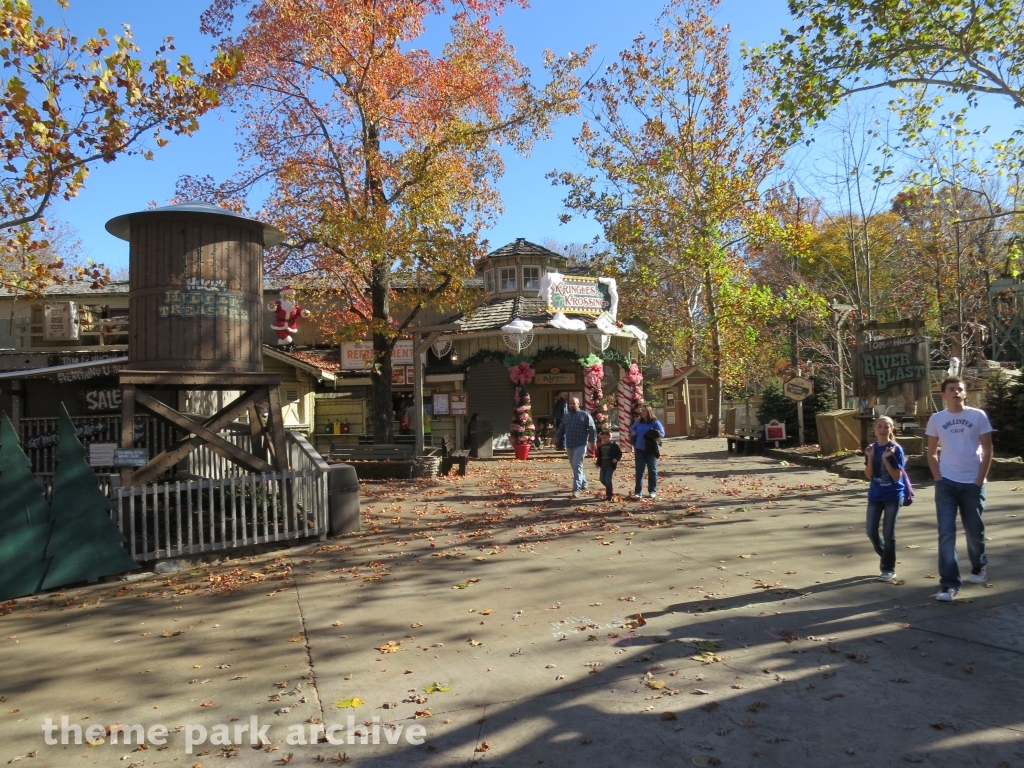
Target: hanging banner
[(893, 365)]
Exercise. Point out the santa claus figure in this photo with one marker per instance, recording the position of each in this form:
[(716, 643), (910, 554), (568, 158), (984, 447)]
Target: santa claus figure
[(286, 316)]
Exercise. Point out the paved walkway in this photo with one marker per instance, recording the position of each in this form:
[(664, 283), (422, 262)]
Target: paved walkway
[(501, 617)]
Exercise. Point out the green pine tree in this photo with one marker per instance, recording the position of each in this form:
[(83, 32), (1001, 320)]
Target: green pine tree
[(24, 519), (84, 543)]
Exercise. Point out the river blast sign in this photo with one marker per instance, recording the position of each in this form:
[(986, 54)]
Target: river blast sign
[(896, 363)]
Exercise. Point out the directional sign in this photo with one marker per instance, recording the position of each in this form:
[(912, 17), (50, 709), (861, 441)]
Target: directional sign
[(798, 388)]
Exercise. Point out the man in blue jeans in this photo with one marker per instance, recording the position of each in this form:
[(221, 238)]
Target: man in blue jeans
[(578, 432), (965, 436)]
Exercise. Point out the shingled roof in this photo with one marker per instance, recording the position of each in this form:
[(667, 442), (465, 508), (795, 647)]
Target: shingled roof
[(523, 247), (499, 313)]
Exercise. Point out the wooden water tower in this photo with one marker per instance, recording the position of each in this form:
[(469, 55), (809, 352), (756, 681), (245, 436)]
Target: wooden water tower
[(195, 309)]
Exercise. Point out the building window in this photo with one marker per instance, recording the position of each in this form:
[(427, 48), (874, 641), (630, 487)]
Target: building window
[(508, 278), (531, 278), (670, 398), (489, 281)]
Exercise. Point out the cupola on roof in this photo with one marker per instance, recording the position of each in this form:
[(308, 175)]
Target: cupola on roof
[(523, 247)]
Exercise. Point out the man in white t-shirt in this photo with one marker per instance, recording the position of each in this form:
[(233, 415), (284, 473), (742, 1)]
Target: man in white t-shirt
[(965, 436)]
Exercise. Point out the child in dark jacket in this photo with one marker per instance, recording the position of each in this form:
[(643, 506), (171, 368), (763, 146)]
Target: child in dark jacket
[(608, 456)]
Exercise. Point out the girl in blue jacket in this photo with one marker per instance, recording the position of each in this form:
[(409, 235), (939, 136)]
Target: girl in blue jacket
[(883, 466)]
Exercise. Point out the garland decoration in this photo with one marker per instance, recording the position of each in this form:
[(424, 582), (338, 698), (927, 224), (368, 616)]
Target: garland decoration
[(482, 356)]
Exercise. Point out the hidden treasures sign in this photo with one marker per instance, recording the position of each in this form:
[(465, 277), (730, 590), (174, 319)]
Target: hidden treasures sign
[(894, 364)]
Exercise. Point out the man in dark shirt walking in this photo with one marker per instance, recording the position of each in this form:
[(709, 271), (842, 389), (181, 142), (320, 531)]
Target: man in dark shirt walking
[(578, 432)]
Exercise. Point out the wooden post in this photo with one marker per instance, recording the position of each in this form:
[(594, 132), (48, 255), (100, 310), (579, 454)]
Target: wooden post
[(459, 425), (420, 345), (275, 426), (417, 398), (17, 393)]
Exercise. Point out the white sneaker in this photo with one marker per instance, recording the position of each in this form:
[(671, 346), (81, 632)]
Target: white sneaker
[(947, 594), (654, 495), (978, 575), (887, 576)]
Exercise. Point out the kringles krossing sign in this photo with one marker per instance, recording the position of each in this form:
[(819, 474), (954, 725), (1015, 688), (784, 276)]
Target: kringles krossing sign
[(579, 295)]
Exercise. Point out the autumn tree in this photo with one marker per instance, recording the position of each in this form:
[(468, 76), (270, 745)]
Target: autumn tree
[(677, 148), (68, 104), (924, 50), (378, 155)]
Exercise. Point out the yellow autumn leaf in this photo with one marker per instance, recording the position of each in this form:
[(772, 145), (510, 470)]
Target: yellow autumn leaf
[(349, 703)]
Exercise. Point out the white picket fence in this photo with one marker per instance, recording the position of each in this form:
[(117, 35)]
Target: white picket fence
[(226, 510), (185, 518)]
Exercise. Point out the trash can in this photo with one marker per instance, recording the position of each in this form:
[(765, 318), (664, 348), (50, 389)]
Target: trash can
[(481, 437), (342, 499)]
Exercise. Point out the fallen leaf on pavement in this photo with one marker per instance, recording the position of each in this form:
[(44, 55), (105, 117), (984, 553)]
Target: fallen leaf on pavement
[(349, 703)]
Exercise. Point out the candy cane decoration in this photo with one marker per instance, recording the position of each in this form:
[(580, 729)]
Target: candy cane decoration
[(625, 402)]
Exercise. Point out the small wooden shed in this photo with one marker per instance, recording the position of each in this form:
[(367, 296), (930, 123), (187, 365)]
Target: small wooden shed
[(686, 393), (838, 431)]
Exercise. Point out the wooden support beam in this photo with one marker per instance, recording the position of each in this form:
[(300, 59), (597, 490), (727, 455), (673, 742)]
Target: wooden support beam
[(194, 437), (421, 346), (275, 427), (199, 380), (256, 431)]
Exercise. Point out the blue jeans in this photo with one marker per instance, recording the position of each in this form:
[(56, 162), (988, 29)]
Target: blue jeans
[(576, 458), (606, 480), (649, 462), (970, 500), (886, 545)]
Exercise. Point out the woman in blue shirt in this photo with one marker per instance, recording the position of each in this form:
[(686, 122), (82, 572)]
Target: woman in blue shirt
[(646, 455), (883, 466)]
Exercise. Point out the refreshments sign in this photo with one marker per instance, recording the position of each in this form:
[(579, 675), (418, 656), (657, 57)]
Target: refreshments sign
[(580, 296), (358, 355)]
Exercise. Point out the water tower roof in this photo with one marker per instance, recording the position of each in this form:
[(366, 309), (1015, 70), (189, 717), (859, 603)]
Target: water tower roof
[(121, 226)]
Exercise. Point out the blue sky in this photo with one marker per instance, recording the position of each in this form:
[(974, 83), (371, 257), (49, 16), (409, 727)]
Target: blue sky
[(531, 203)]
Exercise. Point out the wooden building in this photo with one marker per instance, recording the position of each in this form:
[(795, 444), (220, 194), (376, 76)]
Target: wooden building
[(686, 393)]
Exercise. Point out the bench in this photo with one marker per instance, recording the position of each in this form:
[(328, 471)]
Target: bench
[(375, 462), (746, 440), (450, 457)]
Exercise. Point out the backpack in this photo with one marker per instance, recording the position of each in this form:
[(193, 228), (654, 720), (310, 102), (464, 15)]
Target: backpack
[(908, 489)]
